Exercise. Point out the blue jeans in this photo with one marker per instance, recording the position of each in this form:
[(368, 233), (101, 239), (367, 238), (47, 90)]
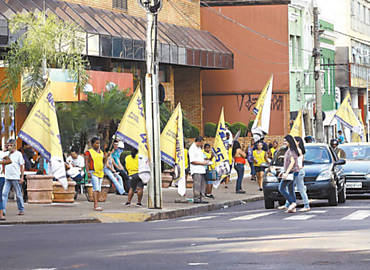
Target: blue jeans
[(299, 181), (18, 191), (286, 188), (116, 180), (2, 182), (253, 171), (240, 170)]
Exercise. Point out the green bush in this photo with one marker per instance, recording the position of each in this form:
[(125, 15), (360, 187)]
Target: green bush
[(194, 132), (210, 129), (234, 128)]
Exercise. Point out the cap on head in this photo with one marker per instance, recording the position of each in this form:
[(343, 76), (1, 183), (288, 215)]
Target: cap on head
[(199, 139), (11, 141)]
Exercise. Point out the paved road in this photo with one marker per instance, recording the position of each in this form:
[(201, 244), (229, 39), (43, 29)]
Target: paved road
[(243, 237)]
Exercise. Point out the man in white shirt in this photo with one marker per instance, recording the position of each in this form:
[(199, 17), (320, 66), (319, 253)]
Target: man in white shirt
[(3, 161), (14, 172), (75, 165), (198, 165)]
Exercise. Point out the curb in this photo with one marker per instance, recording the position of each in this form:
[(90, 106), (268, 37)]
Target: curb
[(199, 209), (142, 217)]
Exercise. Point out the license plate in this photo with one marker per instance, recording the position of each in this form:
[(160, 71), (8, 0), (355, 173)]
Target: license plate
[(354, 185)]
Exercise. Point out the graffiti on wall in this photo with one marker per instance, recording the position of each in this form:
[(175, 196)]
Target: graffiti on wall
[(248, 101)]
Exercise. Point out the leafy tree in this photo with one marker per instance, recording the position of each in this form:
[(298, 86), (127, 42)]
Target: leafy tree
[(235, 127), (45, 42)]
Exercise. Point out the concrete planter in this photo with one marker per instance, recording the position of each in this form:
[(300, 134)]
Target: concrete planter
[(61, 195), (39, 189)]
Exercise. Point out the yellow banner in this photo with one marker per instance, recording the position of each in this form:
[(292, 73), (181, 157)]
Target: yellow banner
[(41, 131), (347, 117), (220, 148), (297, 128), (172, 148), (262, 97), (132, 130)]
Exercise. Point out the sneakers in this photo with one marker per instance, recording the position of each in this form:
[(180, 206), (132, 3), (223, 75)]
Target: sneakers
[(291, 208), (240, 191), (210, 196), (304, 209), (21, 213), (291, 211), (128, 203), (200, 201), (139, 205), (283, 207)]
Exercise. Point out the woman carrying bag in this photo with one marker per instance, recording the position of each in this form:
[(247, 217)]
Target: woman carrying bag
[(286, 187)]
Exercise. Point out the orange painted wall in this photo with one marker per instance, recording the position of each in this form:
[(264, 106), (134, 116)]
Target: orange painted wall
[(255, 59)]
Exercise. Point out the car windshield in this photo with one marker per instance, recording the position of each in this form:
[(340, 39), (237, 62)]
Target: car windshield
[(317, 155), (356, 152)]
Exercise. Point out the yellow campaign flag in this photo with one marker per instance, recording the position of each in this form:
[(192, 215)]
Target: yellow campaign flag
[(347, 117), (297, 128), (41, 131), (262, 97), (172, 148), (359, 137), (132, 130), (220, 149)]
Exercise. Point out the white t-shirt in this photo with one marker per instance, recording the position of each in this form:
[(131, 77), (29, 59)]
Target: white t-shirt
[(2, 155), (196, 154), (13, 170), (76, 165)]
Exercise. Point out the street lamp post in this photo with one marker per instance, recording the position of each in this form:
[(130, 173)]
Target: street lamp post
[(152, 113)]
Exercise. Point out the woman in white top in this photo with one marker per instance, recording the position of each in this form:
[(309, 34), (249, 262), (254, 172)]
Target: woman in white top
[(299, 181)]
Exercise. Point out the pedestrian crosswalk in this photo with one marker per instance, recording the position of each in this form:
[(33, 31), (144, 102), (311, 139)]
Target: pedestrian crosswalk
[(352, 215)]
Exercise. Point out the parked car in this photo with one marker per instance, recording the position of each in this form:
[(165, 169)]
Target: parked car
[(357, 168), (323, 177)]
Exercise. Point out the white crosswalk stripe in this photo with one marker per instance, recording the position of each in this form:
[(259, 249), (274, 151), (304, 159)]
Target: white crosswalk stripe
[(358, 215), (299, 217), (198, 218), (253, 216)]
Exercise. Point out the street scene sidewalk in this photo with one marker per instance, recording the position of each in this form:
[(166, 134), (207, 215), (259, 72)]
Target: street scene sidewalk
[(81, 211)]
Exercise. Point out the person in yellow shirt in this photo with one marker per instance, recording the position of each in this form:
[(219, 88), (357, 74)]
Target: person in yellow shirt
[(94, 163), (273, 149), (211, 174), (259, 157), (132, 167)]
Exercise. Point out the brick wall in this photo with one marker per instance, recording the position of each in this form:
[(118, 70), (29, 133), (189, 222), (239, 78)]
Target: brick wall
[(188, 91), (180, 12), (170, 89)]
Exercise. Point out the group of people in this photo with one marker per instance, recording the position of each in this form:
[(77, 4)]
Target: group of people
[(204, 173), (93, 164)]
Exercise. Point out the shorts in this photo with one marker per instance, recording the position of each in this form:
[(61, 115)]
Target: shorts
[(259, 169), (96, 182), (211, 176), (136, 181)]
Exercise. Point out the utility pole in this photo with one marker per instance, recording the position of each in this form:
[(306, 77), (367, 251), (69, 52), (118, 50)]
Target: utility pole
[(319, 132), (152, 113)]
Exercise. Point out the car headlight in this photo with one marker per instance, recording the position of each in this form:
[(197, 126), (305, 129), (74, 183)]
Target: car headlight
[(325, 175), (368, 176), (271, 178)]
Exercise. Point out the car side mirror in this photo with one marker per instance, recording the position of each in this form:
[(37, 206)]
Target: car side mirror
[(339, 162)]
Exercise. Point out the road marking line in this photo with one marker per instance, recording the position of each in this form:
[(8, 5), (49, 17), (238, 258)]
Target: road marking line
[(253, 216), (358, 215), (317, 211), (198, 218), (299, 217), (195, 264)]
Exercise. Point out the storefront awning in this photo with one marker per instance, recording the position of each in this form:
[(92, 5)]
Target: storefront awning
[(118, 35)]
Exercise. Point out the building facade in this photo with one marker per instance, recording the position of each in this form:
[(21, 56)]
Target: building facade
[(351, 20), (114, 32), (258, 36)]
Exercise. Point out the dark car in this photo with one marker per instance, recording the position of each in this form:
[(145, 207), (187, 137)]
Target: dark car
[(357, 168), (323, 176)]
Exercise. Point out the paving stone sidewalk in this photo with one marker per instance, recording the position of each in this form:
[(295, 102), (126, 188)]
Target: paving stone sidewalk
[(81, 211)]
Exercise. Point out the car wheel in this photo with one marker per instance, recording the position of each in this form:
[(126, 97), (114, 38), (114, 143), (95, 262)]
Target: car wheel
[(342, 196), (269, 204), (282, 202), (333, 196)]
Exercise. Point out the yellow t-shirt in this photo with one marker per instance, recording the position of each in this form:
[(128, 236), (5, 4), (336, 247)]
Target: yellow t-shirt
[(132, 164), (186, 158), (98, 162), (230, 155), (272, 150), (260, 157), (208, 156)]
